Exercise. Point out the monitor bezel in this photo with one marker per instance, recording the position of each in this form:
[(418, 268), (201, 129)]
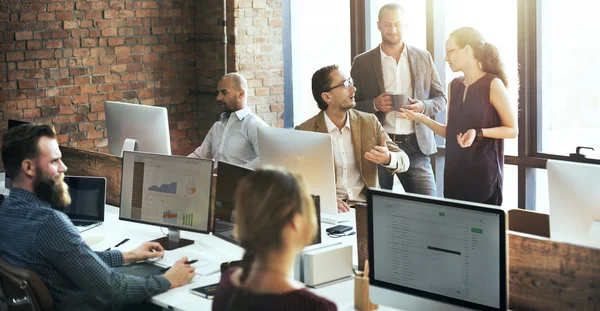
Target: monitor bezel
[(88, 182), (503, 271), (212, 167)]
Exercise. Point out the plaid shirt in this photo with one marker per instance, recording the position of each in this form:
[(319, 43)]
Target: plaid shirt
[(36, 237)]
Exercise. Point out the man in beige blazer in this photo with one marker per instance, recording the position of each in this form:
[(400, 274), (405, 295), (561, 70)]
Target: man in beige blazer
[(359, 142), (396, 67)]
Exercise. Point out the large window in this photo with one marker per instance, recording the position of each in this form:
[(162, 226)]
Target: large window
[(416, 31), (570, 62), (499, 28), (321, 36)]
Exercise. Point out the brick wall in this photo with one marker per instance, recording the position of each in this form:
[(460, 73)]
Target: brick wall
[(256, 52), (60, 60)]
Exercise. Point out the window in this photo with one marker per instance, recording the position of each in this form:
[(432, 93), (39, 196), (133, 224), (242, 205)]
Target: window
[(570, 97), (498, 28), (414, 11), (510, 189), (320, 32)]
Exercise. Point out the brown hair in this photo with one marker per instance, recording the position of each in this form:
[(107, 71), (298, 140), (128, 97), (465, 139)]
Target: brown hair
[(486, 53), (391, 7), (20, 143), (265, 202), (321, 81)]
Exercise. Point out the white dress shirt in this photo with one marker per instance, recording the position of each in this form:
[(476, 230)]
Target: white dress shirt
[(396, 78), (348, 180), (232, 140)]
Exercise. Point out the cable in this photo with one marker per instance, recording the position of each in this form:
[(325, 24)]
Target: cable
[(335, 236)]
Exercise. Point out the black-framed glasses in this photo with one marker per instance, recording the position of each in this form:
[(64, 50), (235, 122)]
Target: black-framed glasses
[(347, 83)]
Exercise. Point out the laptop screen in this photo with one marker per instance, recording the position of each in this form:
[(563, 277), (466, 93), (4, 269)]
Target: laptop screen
[(441, 249), (88, 195)]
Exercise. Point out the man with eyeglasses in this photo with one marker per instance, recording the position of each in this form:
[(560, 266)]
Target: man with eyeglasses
[(398, 68), (232, 139), (360, 144)]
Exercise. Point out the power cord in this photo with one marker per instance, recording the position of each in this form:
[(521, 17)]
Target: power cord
[(340, 235)]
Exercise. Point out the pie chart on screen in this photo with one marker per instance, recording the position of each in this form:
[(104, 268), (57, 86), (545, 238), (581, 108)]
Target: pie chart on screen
[(190, 187)]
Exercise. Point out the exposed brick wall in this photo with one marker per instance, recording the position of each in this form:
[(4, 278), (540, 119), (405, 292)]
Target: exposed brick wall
[(257, 53), (60, 60)]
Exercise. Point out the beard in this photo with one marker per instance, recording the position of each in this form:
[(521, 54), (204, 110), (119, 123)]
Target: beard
[(391, 40), (224, 107), (52, 190)]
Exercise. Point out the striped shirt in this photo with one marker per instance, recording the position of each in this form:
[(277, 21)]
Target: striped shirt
[(36, 237)]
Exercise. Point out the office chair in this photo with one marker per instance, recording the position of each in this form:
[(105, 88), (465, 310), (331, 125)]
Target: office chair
[(22, 289)]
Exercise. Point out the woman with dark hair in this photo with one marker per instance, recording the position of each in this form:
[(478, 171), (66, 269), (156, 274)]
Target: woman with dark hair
[(479, 117), (275, 220)]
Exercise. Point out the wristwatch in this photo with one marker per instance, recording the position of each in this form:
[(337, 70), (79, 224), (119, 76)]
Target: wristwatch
[(478, 134)]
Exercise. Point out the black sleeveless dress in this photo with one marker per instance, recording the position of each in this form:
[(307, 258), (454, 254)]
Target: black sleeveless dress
[(476, 173)]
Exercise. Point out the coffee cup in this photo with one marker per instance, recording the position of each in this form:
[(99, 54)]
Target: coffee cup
[(399, 100)]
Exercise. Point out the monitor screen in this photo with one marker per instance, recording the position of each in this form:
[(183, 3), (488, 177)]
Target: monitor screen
[(147, 126), (441, 249), (88, 196), (167, 191), (228, 177)]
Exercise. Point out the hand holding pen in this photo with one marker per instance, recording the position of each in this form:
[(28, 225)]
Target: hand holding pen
[(185, 263)]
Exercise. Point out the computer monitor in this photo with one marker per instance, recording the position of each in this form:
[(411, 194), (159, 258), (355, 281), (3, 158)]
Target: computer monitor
[(12, 123), (429, 253), (134, 127), (574, 195), (167, 191), (307, 153), (228, 178)]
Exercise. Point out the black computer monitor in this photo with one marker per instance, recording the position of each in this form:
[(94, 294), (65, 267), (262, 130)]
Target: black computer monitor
[(88, 197), (167, 191), (429, 253)]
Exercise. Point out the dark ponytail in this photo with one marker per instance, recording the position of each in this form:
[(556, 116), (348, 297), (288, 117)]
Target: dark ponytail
[(486, 53), (239, 299)]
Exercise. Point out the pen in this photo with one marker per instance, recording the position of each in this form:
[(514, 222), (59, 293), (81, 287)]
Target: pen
[(120, 243), (187, 263)]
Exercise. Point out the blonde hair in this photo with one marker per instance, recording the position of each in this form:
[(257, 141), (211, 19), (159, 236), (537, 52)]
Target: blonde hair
[(265, 202)]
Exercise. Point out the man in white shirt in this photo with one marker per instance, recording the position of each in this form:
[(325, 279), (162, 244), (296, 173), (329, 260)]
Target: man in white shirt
[(398, 68), (233, 138), (360, 144)]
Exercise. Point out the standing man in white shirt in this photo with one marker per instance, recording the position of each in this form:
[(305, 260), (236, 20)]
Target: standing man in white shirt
[(398, 68), (360, 144), (233, 138)]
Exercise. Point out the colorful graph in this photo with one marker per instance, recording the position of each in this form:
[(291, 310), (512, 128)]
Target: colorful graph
[(190, 187), (188, 220), (170, 217), (165, 188)]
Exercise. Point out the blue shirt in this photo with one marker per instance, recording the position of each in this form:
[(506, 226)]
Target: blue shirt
[(36, 237)]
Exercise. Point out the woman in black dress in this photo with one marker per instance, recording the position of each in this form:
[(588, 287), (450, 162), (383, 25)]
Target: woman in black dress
[(480, 116)]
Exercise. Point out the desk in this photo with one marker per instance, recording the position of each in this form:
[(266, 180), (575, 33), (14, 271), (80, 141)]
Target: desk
[(114, 230)]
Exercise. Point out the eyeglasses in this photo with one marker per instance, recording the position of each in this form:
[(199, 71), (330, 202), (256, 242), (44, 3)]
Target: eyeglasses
[(347, 83)]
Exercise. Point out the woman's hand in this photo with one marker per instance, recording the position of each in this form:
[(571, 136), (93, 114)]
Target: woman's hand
[(411, 115), (466, 140)]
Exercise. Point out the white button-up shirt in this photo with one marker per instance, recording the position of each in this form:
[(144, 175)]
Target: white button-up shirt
[(348, 181), (396, 78), (233, 140)]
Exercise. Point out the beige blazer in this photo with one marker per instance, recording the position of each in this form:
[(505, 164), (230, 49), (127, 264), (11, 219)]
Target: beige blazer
[(366, 132)]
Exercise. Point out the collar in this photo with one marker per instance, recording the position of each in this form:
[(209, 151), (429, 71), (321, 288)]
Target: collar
[(384, 56), (331, 126), (242, 113)]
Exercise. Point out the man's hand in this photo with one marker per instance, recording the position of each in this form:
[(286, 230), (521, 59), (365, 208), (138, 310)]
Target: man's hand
[(145, 251), (466, 140), (383, 102), (342, 206), (180, 273), (416, 105), (380, 154)]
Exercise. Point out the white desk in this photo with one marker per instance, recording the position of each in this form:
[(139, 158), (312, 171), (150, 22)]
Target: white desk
[(113, 231)]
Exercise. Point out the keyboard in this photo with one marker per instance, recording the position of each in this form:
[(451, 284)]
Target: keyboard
[(84, 225), (334, 219)]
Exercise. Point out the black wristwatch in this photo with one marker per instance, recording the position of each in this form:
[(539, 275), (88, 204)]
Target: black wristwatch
[(478, 134)]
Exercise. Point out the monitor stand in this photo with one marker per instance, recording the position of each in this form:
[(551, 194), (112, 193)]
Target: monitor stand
[(129, 144), (172, 241)]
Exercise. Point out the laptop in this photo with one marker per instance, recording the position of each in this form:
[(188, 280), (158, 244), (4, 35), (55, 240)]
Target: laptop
[(429, 253), (88, 197)]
